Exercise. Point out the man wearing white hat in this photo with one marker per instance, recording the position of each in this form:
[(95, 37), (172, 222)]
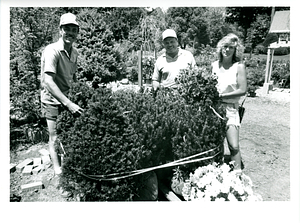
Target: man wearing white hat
[(58, 67), (169, 64)]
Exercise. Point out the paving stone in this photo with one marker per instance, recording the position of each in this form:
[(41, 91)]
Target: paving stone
[(37, 161), (32, 186), (12, 167), (37, 169), (44, 152), (21, 165), (46, 159), (27, 170)]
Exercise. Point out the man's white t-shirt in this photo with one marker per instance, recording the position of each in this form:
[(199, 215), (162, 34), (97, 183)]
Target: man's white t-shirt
[(167, 69)]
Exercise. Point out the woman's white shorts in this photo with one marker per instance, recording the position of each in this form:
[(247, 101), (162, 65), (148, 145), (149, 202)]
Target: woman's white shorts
[(232, 114)]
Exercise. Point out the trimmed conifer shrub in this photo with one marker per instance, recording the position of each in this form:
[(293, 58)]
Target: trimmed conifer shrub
[(124, 131)]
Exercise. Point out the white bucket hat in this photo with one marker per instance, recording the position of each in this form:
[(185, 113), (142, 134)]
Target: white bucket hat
[(68, 18), (169, 33)]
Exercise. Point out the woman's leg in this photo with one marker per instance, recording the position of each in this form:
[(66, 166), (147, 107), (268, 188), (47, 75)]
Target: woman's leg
[(232, 136)]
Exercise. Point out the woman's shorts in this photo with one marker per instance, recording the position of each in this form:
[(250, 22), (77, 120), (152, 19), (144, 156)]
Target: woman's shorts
[(233, 115), (50, 111)]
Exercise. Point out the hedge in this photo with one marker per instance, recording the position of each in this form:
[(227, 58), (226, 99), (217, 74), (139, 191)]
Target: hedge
[(124, 131)]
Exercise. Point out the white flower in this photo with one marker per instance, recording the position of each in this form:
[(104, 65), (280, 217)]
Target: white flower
[(225, 188), (213, 182), (211, 191), (225, 168)]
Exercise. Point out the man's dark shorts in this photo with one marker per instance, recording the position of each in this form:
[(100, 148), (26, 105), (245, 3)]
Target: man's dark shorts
[(50, 111)]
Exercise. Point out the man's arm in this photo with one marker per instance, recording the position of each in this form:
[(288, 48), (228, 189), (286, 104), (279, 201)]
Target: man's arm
[(156, 77), (56, 92), (155, 85)]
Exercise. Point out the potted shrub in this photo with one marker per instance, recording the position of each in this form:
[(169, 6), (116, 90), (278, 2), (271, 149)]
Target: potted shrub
[(251, 90)]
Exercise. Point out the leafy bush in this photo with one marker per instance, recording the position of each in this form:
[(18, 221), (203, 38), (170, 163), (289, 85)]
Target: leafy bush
[(281, 72), (98, 142), (260, 49), (282, 51), (255, 77), (148, 63), (132, 73), (148, 67), (99, 60), (125, 131), (198, 88), (255, 68), (25, 111), (205, 55)]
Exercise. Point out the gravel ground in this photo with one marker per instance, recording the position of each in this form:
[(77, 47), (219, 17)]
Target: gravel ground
[(276, 94)]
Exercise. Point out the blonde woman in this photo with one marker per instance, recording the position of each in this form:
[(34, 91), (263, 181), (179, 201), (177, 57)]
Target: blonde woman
[(232, 84)]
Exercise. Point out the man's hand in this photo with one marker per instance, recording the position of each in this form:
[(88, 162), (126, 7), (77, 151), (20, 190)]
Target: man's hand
[(74, 108)]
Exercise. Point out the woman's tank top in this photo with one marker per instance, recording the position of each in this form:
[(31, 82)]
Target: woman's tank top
[(227, 80)]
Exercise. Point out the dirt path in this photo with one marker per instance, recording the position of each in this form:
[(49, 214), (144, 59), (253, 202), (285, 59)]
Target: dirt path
[(265, 144)]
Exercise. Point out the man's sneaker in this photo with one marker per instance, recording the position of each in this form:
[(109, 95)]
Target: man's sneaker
[(65, 194)]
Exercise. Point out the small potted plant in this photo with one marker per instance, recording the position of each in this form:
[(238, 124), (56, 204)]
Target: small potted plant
[(251, 90)]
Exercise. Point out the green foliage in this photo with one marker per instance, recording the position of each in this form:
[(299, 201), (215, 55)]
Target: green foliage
[(122, 20), (258, 30), (31, 29), (244, 17), (148, 63), (281, 72), (132, 74), (25, 114), (205, 55), (98, 142), (198, 85), (217, 27), (190, 25), (255, 68), (203, 129), (148, 67), (260, 49), (99, 61), (147, 33), (282, 51), (126, 131)]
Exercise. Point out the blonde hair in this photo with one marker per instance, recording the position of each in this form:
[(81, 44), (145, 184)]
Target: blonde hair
[(231, 39)]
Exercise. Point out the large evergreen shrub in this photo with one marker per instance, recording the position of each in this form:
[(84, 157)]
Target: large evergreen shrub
[(98, 142), (99, 60), (125, 131), (206, 129)]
